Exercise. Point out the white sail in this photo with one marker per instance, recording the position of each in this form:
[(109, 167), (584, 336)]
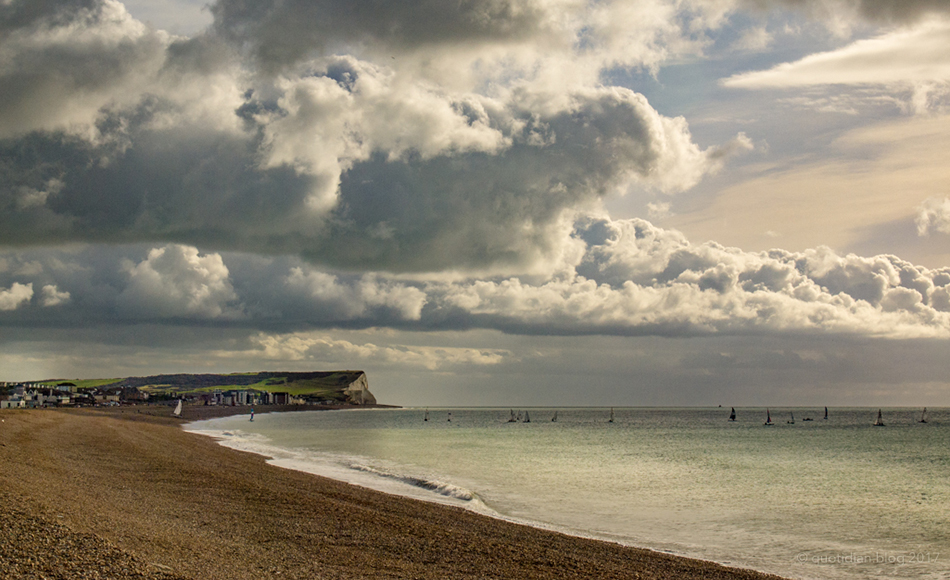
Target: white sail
[(177, 411)]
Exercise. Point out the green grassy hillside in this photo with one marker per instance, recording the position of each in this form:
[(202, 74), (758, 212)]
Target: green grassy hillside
[(318, 385)]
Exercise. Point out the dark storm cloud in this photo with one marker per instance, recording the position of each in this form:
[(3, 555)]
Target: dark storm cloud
[(887, 11), (283, 32)]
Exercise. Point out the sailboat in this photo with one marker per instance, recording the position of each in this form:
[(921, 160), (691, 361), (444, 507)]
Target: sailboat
[(732, 415), (768, 419), (426, 417), (880, 419), (527, 419), (512, 419), (923, 416), (611, 420), (792, 420), (826, 413), (450, 417), (177, 411), (554, 418)]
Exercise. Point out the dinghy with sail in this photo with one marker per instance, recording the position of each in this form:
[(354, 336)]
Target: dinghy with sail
[(880, 419)]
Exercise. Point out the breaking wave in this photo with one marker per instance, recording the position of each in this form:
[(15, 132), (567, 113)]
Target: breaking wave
[(439, 487)]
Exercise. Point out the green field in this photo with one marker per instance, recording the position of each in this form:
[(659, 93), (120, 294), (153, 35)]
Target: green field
[(82, 383)]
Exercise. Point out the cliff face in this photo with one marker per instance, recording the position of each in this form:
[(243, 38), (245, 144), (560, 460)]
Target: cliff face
[(358, 393)]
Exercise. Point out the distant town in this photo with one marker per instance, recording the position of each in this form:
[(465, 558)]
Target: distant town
[(243, 389)]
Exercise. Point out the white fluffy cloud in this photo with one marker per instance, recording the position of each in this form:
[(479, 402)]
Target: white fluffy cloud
[(175, 281), (352, 300), (933, 216), (15, 296), (316, 347), (52, 296), (639, 279)]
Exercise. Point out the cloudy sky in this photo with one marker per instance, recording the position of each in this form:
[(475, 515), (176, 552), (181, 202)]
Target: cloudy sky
[(490, 202)]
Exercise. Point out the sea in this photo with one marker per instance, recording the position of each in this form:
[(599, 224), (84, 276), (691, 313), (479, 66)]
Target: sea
[(834, 498)]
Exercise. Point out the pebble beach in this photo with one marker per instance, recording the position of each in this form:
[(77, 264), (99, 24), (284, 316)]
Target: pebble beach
[(126, 493)]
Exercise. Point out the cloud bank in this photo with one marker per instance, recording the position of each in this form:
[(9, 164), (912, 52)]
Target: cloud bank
[(629, 278)]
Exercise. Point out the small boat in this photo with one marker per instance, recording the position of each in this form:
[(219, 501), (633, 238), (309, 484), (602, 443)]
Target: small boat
[(512, 419), (611, 420), (768, 419), (554, 418), (177, 411), (880, 419), (732, 415), (527, 419), (426, 417), (826, 414), (807, 419), (792, 420), (450, 417), (923, 416)]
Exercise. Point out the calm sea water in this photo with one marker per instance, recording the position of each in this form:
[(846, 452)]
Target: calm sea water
[(834, 498)]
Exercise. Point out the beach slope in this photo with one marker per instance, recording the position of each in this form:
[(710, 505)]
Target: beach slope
[(129, 495)]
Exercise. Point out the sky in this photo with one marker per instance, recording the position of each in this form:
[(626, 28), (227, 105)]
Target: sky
[(485, 202)]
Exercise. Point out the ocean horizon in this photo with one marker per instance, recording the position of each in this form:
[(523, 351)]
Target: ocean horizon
[(807, 497)]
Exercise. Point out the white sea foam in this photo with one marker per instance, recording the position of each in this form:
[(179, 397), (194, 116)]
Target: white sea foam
[(356, 470)]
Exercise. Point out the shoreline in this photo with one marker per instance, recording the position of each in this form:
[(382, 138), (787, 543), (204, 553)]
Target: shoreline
[(172, 504)]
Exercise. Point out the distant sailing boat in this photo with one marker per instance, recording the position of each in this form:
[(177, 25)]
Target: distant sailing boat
[(450, 417), (426, 418), (923, 416), (513, 419), (177, 411), (732, 415), (826, 413), (880, 419), (768, 419), (554, 418), (611, 420), (527, 419), (792, 420)]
